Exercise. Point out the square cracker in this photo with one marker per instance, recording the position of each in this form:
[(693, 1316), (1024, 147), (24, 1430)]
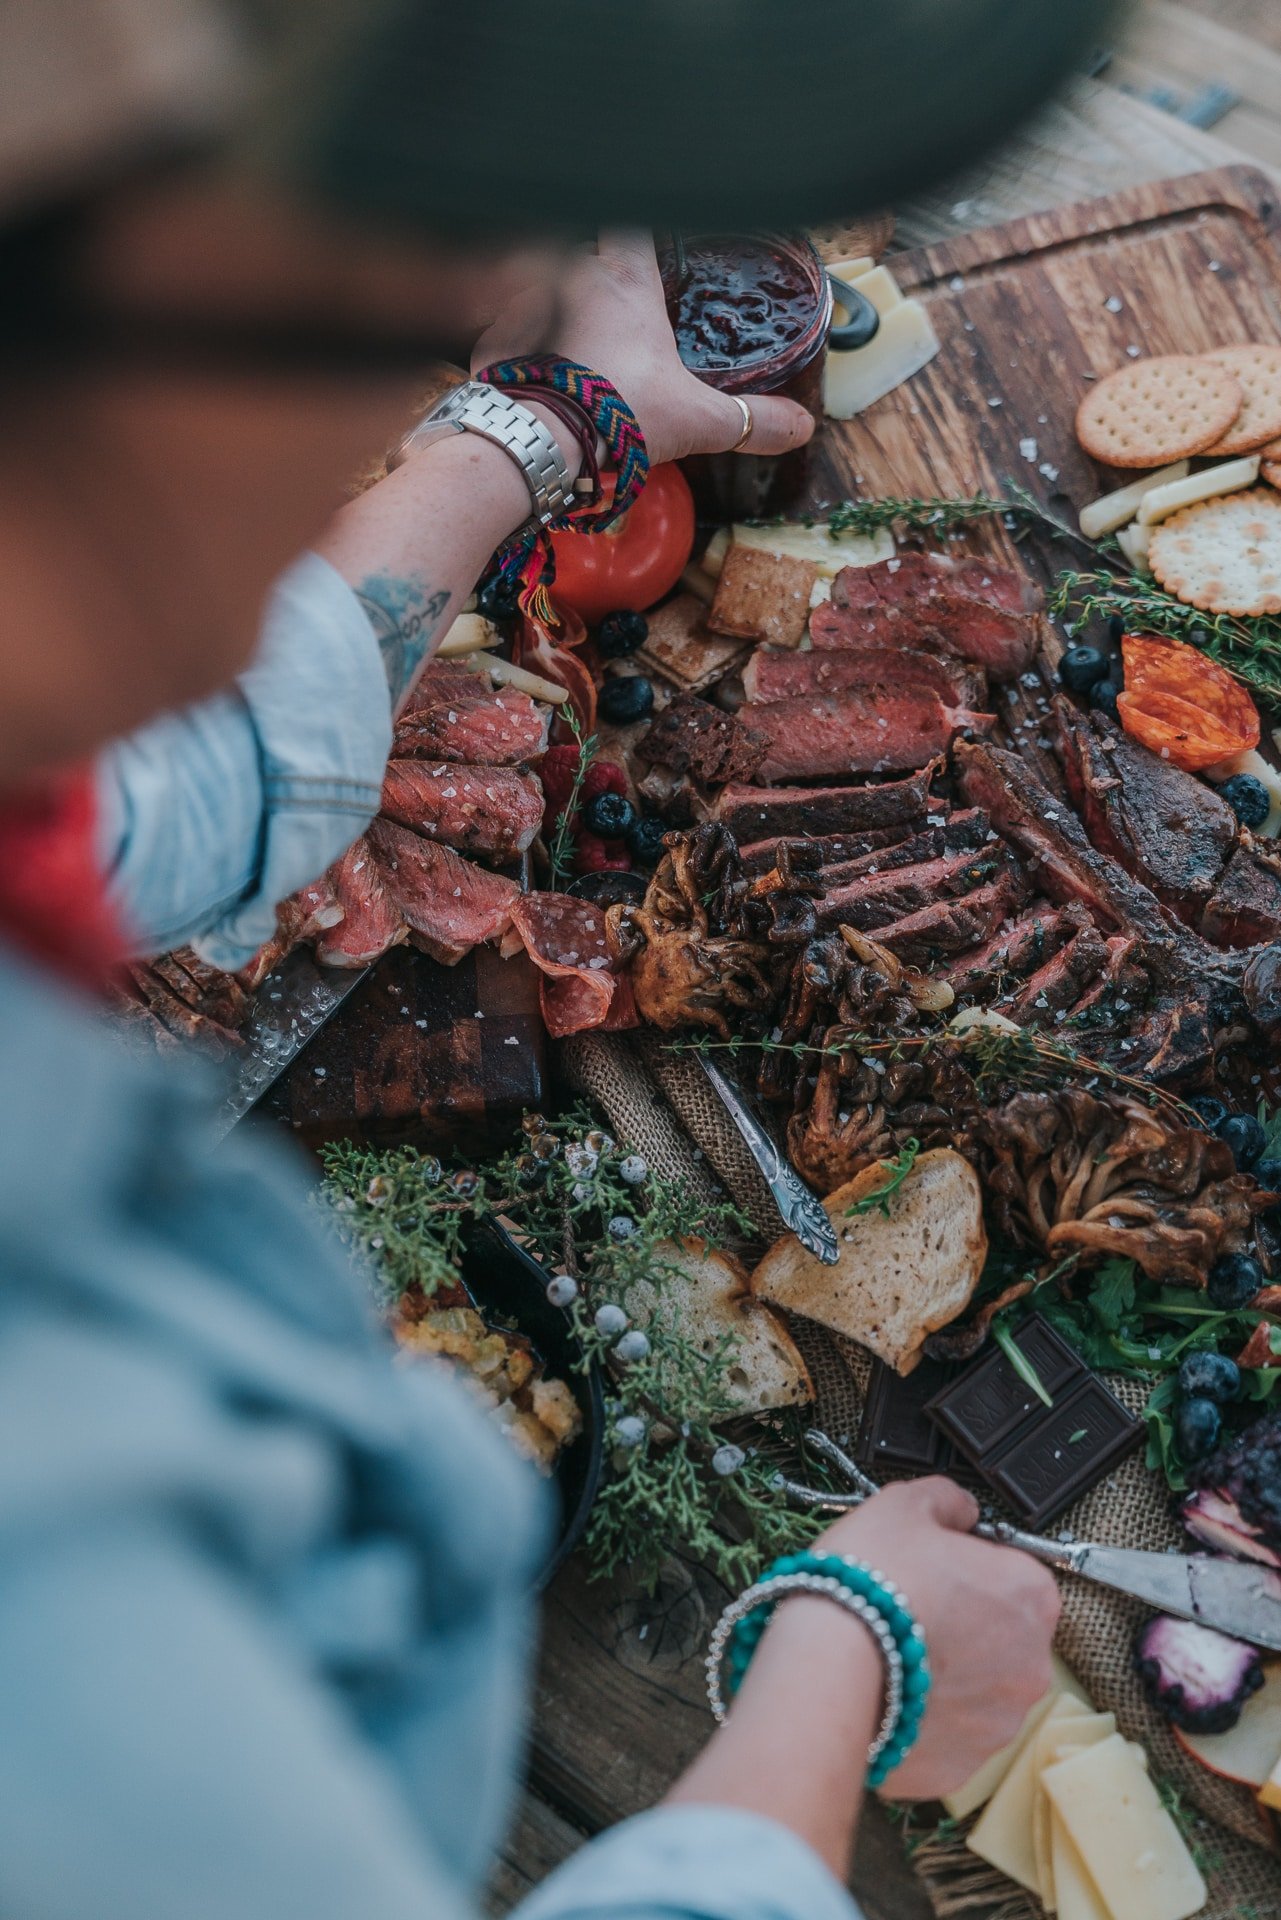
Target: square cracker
[(682, 650), (763, 596)]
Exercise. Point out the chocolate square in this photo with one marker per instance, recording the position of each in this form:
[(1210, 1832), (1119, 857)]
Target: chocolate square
[(895, 1430), (987, 1405)]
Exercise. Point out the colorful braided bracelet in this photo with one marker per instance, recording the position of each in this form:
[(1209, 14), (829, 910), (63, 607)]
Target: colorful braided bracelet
[(870, 1598)]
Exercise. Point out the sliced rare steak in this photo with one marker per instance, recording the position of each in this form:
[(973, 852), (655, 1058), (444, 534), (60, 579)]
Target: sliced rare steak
[(371, 922), (761, 855), (778, 674), (969, 828), (953, 926), (753, 815), (878, 730), (983, 612), (499, 729), (872, 899), (1058, 984), (1245, 908), (451, 905), (492, 810), (1166, 827)]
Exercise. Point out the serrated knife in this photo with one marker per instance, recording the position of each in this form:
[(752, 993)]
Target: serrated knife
[(290, 1007)]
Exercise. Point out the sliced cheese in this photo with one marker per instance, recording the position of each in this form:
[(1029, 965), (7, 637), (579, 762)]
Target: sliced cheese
[(1229, 476), (851, 270), (1129, 1845), (1003, 1835), (1059, 1734), (714, 554), (829, 551), (1115, 510), (877, 285), (469, 631), (504, 674), (980, 1786), (1077, 1896), (1133, 542), (1253, 762), (904, 343), (696, 581)]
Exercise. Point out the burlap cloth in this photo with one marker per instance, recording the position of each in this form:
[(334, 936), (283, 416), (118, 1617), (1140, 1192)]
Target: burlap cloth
[(660, 1103)]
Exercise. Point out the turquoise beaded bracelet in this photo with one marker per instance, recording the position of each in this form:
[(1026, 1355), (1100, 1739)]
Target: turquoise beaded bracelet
[(875, 1601)]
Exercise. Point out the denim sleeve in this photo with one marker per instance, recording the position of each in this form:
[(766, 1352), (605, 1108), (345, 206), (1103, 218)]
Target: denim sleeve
[(692, 1863), (212, 815)]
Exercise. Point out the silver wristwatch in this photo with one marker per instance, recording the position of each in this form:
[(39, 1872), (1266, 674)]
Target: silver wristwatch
[(476, 408)]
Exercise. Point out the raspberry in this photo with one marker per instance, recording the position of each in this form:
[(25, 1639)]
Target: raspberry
[(600, 856), (560, 765), (603, 777)]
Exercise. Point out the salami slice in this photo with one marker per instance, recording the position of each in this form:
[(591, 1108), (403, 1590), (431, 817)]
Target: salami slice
[(565, 939)]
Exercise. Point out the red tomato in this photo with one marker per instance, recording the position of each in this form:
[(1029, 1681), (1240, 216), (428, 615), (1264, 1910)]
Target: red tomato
[(1182, 705), (634, 562)]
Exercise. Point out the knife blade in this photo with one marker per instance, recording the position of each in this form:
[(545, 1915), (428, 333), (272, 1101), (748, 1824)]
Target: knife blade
[(801, 1211), (290, 1007)]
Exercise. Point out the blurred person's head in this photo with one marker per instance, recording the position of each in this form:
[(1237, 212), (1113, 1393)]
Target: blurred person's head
[(232, 239)]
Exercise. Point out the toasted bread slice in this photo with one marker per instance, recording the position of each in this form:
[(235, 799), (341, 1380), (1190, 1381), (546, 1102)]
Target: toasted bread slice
[(902, 1272), (708, 1295)]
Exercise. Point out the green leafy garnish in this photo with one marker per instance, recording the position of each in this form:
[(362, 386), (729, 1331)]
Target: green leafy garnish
[(1014, 1353), (896, 1172), (561, 852)]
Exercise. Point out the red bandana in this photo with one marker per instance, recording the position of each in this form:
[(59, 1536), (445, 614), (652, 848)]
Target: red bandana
[(53, 901)]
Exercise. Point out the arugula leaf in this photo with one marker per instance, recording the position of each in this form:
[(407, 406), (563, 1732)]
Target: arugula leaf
[(1162, 1452), (1112, 1293), (1270, 1121), (896, 1172)]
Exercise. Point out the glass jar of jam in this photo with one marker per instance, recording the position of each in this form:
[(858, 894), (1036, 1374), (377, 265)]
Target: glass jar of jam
[(751, 314)]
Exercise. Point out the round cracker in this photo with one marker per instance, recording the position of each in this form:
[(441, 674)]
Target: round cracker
[(1223, 555), (1270, 471), (1150, 412), (1257, 369)]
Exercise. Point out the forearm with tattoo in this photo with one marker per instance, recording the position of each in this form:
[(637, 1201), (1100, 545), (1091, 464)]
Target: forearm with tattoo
[(405, 612)]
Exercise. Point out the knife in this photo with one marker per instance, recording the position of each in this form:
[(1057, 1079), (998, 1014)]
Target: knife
[(290, 1007), (802, 1211)]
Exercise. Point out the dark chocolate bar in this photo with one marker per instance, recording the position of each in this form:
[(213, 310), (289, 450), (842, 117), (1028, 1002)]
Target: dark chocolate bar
[(895, 1430), (1038, 1458)]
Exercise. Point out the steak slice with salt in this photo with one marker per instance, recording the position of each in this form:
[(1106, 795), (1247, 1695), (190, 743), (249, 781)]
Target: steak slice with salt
[(1060, 982), (774, 675), (967, 829), (879, 730), (1245, 908), (371, 922), (491, 810), (498, 729), (872, 899), (983, 612), (752, 814), (825, 849), (451, 905), (952, 926), (1016, 951)]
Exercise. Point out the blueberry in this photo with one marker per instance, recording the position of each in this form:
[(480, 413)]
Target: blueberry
[(498, 599), (1212, 1111), (1210, 1376), (1248, 799), (1116, 629), (645, 840), (1103, 698), (1234, 1281), (1198, 636), (609, 815), (621, 633), (1196, 1428), (1242, 1132), (627, 698), (1268, 1174), (1082, 667)]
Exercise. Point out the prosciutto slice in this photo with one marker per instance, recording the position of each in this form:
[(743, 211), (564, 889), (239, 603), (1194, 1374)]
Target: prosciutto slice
[(565, 939)]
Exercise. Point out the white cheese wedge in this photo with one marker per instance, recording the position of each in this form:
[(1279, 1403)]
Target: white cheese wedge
[(1252, 761), (469, 631), (1229, 476), (1003, 1835), (504, 674), (1133, 542), (851, 270), (879, 286), (1129, 1845), (1077, 1896), (1059, 1734), (1115, 510), (829, 552), (696, 581), (905, 343), (714, 554)]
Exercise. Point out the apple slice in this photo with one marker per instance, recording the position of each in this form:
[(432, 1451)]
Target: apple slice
[(1250, 1750)]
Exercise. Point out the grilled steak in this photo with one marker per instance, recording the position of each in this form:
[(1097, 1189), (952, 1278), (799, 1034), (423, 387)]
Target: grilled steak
[(952, 926), (752, 815), (1059, 983), (771, 674), (1245, 908), (451, 905), (371, 922), (1166, 828), (878, 730), (761, 855), (498, 729), (1016, 951), (491, 810), (959, 831), (218, 995), (175, 1014), (872, 899), (984, 613)]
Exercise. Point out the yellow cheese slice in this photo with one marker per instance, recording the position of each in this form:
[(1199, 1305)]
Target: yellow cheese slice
[(469, 631), (1252, 761), (1059, 1734), (717, 547), (879, 286), (980, 1786), (1117, 509), (1229, 476), (1078, 1897), (1003, 1835), (851, 270), (905, 343), (829, 552), (1128, 1844)]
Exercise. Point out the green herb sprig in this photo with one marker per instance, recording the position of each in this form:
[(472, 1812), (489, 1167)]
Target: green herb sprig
[(1248, 648), (561, 852), (895, 1172)]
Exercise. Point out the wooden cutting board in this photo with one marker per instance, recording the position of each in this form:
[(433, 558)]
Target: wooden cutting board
[(1023, 317)]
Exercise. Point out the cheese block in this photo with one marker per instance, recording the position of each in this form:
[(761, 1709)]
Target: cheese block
[(877, 285), (1229, 476), (1129, 1845), (1134, 541), (905, 343), (1003, 1835), (1252, 761), (469, 632), (714, 553), (504, 674), (1077, 1896), (980, 1786), (851, 270), (1117, 509), (1059, 1734), (794, 540)]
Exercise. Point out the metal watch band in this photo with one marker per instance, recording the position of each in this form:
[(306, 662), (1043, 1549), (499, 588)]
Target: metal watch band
[(476, 408)]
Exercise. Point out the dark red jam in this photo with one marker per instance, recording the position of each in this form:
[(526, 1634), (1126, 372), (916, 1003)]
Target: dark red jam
[(737, 304)]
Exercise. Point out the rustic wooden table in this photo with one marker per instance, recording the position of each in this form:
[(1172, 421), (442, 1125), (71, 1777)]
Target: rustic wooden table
[(619, 1709)]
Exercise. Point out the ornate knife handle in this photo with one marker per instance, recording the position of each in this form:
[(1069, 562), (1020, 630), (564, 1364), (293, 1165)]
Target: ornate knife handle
[(801, 1211)]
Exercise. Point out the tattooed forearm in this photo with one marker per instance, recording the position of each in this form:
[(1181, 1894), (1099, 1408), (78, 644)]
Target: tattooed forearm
[(404, 612)]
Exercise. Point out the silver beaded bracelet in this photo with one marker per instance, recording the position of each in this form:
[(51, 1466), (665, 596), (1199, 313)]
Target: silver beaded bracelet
[(773, 1588)]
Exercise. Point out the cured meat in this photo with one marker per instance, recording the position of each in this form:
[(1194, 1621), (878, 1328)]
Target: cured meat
[(451, 905), (752, 815), (880, 730), (1165, 827), (371, 922), (952, 926), (967, 829), (498, 729), (983, 612), (771, 674), (491, 810), (1016, 951), (1245, 908), (565, 939), (873, 898)]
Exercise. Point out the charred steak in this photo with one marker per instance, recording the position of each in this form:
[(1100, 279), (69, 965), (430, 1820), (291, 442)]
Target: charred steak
[(752, 815), (875, 730)]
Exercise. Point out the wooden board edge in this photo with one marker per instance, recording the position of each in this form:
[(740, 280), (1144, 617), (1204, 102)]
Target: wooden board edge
[(1245, 188)]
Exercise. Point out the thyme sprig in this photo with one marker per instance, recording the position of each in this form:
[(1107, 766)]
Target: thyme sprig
[(1248, 648), (912, 515), (561, 852)]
